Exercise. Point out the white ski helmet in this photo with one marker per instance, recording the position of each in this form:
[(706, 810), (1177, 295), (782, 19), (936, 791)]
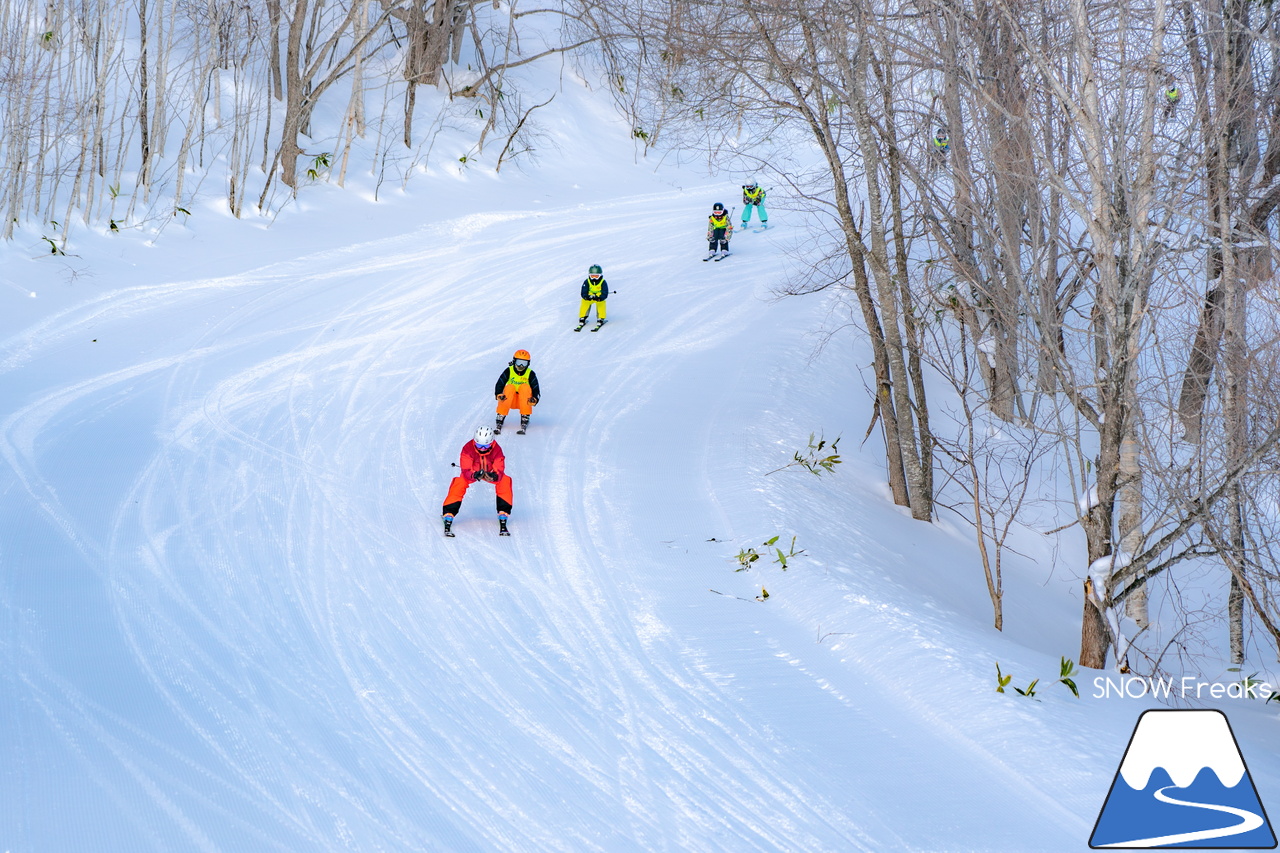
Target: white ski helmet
[(484, 436)]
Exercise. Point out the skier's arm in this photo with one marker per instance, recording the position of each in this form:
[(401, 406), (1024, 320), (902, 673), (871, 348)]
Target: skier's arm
[(604, 290), (502, 383), (497, 463), (533, 386), (468, 462), (585, 291)]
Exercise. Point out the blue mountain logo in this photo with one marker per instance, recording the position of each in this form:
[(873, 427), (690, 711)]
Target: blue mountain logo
[(1183, 783)]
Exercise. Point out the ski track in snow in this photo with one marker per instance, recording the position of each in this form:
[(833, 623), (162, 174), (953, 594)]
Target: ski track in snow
[(331, 673)]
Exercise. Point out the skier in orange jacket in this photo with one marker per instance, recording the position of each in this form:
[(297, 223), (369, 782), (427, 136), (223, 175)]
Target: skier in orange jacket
[(517, 386), (481, 461)]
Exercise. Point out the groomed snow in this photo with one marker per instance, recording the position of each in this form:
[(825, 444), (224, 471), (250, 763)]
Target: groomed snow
[(229, 620)]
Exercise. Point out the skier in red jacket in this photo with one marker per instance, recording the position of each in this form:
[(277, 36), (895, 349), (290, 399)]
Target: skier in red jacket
[(481, 460)]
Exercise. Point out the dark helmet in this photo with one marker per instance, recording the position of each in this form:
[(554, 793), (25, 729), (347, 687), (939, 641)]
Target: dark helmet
[(595, 270), (717, 208)]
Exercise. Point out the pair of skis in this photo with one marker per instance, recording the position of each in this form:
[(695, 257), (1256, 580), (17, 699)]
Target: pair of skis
[(595, 328), (714, 257), (502, 528)]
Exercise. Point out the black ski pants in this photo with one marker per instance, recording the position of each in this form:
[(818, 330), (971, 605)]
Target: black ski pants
[(719, 240)]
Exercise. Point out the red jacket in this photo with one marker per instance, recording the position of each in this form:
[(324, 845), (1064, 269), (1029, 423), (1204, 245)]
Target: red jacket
[(473, 462)]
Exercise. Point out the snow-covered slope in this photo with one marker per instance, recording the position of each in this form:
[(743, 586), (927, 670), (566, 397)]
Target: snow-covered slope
[(229, 621)]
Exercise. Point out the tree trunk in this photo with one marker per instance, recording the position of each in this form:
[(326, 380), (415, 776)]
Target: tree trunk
[(1130, 521), (887, 293), (144, 169), (273, 18), (1199, 372), (294, 97), (1095, 635)]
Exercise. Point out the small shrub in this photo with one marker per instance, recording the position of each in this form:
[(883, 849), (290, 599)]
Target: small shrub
[(319, 163), (1065, 676), (812, 459), (780, 558), (1002, 680)]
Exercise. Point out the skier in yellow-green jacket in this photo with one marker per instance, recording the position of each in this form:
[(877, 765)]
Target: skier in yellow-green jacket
[(753, 198), (516, 388), (719, 232), (595, 290)]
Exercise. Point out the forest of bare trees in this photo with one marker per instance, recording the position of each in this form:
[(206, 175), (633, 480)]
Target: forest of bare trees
[(1067, 211), (116, 113)]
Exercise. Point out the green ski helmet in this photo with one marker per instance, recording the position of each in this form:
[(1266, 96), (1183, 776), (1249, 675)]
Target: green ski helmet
[(595, 270)]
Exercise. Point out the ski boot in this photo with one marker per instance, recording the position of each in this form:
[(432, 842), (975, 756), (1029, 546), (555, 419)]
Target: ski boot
[(502, 525), (497, 428), (524, 424), (448, 526), (582, 321), (598, 325)]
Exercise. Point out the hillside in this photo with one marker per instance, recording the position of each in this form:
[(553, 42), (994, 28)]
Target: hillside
[(229, 621)]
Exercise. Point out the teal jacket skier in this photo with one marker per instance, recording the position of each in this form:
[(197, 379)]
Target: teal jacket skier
[(753, 197)]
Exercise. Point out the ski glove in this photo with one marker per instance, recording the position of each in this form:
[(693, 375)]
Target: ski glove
[(533, 401), (500, 397)]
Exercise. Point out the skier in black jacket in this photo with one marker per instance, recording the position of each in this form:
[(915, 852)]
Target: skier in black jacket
[(595, 290), (517, 386)]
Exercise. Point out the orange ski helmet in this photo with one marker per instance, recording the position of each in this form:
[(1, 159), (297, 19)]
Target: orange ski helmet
[(523, 354)]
